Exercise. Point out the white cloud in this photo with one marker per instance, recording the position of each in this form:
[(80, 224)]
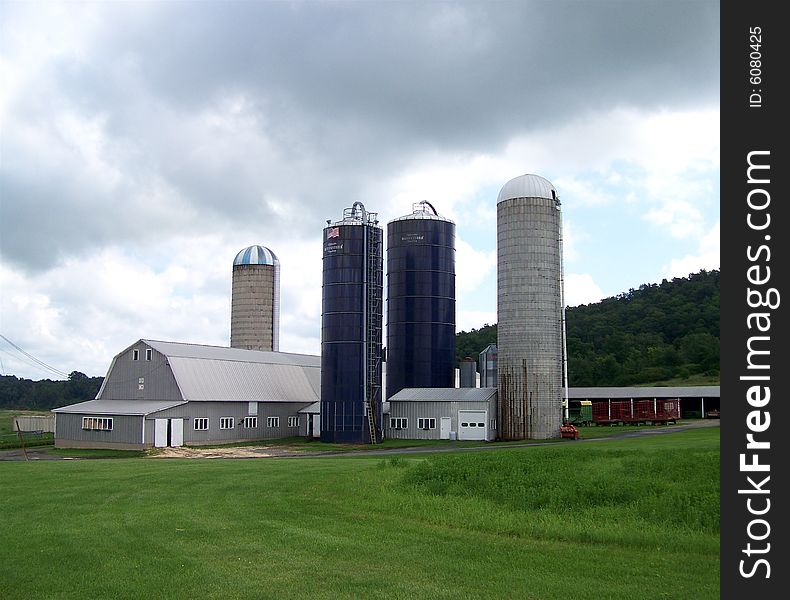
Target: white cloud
[(466, 320), (581, 289), (472, 266), (707, 257)]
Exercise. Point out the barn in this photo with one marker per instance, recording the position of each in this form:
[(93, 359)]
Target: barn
[(443, 414), (160, 394)]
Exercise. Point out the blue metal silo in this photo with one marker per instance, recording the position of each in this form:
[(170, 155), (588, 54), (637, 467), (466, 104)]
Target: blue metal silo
[(351, 323), (420, 301)]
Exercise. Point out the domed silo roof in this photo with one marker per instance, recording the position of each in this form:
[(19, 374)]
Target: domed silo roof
[(527, 186), (256, 255)]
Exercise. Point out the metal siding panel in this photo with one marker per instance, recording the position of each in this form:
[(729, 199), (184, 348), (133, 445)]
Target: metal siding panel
[(125, 429), (237, 410), (421, 303), (123, 379)]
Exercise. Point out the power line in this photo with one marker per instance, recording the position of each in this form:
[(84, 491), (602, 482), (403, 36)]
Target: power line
[(25, 361), (31, 357)]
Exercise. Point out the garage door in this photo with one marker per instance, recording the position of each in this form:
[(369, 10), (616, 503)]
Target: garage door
[(472, 424)]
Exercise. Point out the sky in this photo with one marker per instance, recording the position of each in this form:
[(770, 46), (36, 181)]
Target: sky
[(143, 144)]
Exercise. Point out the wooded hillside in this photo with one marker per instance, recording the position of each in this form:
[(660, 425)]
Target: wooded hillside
[(655, 333)]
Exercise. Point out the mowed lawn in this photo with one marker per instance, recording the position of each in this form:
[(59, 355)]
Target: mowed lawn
[(635, 518)]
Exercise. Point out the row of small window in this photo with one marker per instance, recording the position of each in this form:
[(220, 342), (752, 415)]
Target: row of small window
[(403, 423), (97, 423), (201, 423), (148, 354)]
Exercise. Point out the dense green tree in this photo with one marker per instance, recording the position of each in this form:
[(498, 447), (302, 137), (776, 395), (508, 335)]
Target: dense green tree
[(47, 394), (654, 333)]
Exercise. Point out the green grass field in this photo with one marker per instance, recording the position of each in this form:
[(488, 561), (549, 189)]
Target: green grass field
[(633, 518)]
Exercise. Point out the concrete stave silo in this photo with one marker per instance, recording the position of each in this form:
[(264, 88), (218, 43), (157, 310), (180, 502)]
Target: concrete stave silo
[(255, 300), (351, 329), (530, 313), (420, 301)]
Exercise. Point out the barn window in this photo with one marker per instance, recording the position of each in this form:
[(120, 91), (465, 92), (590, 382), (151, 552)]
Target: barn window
[(135, 354), (226, 422), (399, 423), (148, 354), (97, 423), (201, 424), (250, 422), (293, 421), (426, 423), (272, 421)]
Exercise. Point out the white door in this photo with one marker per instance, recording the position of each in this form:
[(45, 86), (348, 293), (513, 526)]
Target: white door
[(472, 424), (316, 426), (176, 432), (160, 433), (444, 428)]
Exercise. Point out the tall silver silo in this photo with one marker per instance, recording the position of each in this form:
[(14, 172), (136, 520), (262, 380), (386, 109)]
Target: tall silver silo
[(420, 300), (351, 324), (487, 364), (530, 309), (468, 375), (255, 300)]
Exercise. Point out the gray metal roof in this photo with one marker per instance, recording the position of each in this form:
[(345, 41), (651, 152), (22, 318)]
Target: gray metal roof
[(217, 373), (527, 186), (171, 349), (119, 407), (311, 409), (444, 395), (421, 211), (707, 391), (204, 379)]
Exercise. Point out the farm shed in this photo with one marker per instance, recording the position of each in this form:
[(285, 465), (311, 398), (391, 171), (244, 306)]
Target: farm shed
[(443, 413), (168, 394), (694, 401)]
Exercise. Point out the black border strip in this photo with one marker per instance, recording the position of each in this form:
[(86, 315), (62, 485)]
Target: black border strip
[(751, 116)]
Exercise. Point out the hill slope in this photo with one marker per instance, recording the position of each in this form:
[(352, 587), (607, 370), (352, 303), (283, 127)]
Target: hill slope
[(655, 333)]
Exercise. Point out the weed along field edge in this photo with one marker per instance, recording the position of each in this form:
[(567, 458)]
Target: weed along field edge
[(624, 518)]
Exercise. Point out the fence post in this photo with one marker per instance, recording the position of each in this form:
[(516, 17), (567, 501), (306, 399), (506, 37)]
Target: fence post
[(21, 439)]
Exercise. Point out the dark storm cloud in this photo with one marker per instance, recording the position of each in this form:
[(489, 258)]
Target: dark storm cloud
[(230, 107)]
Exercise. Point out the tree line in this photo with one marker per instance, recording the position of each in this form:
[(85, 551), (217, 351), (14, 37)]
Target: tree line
[(16, 393), (655, 333)]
